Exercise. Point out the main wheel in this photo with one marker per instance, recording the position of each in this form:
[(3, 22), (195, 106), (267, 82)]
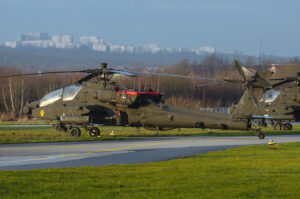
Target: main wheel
[(94, 131), (288, 126), (75, 132), (277, 127)]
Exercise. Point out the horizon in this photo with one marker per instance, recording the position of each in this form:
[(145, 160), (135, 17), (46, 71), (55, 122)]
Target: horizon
[(247, 26)]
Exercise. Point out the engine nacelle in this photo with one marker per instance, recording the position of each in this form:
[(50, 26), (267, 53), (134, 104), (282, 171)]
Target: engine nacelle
[(127, 97)]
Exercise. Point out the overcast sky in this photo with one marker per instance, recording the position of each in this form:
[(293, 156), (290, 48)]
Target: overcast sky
[(231, 24)]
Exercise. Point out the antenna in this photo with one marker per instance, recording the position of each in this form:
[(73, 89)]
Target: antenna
[(260, 49)]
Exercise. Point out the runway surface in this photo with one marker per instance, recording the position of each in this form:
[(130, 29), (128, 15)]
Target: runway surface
[(96, 153)]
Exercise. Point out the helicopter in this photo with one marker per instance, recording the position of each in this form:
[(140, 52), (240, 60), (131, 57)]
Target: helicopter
[(282, 101), (96, 99), (271, 102)]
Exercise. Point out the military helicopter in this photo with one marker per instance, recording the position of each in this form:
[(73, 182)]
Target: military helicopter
[(96, 99), (271, 102), (282, 101)]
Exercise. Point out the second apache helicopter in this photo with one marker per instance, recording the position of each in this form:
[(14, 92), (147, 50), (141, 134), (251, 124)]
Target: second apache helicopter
[(96, 99), (271, 101)]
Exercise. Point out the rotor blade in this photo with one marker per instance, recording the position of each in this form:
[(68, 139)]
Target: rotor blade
[(86, 78), (182, 76), (234, 81), (239, 68), (282, 82), (44, 73), (276, 79), (253, 97), (283, 64), (130, 74), (285, 79), (203, 85)]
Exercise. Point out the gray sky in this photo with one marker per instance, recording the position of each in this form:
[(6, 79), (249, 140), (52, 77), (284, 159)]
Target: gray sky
[(231, 24)]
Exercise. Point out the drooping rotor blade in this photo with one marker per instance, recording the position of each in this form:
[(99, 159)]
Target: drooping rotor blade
[(173, 75), (283, 64), (86, 78), (277, 79), (42, 73), (234, 81), (239, 68), (203, 85), (253, 97), (130, 74), (248, 72), (282, 82)]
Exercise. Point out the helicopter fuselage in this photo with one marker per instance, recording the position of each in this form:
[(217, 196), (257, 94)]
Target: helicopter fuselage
[(108, 104)]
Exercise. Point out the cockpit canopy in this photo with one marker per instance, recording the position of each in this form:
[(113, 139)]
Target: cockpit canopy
[(67, 93), (270, 96)]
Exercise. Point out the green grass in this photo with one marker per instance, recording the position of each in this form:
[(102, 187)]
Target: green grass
[(245, 172), (26, 122), (24, 134)]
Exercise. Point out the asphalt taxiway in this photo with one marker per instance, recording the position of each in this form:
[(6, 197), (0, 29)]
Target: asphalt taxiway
[(97, 153)]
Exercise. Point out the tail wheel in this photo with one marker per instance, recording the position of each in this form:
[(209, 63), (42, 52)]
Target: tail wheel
[(94, 131), (75, 132), (288, 126)]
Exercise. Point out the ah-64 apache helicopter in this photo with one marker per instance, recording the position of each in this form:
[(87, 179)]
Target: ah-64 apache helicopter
[(270, 102), (96, 99), (282, 101)]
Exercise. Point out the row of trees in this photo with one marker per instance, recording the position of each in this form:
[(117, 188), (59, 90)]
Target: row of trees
[(16, 92)]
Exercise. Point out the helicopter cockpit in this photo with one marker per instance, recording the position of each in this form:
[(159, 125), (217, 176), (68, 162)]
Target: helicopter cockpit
[(270, 96), (66, 94), (70, 92)]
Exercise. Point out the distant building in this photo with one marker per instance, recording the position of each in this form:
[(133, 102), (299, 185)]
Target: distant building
[(33, 36), (100, 47), (152, 48), (204, 50), (11, 44), (117, 48), (63, 38)]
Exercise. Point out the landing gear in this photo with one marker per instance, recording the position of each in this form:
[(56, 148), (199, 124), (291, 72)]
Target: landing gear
[(277, 127), (287, 126), (61, 127), (282, 126), (75, 132), (94, 131), (263, 123), (259, 134)]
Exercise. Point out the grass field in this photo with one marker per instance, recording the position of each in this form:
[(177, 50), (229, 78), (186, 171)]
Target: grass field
[(245, 172), (24, 134)]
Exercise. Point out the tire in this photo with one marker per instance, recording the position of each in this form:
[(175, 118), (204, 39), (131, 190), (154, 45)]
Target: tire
[(277, 127), (75, 132), (288, 126), (94, 131)]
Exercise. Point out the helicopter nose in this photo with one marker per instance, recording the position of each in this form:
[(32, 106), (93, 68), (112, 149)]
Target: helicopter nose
[(26, 110)]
